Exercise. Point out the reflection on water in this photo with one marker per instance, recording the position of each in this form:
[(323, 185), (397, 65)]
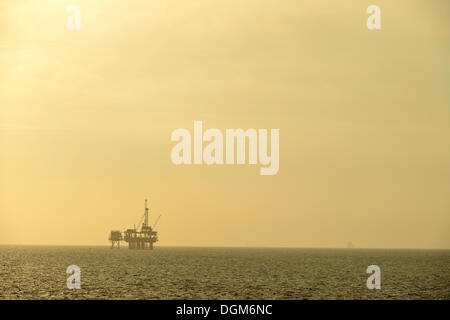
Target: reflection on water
[(34, 272)]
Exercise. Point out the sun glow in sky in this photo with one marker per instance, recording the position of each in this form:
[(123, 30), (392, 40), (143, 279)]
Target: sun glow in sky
[(86, 117)]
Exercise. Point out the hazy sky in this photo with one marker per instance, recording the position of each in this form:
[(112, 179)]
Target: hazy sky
[(364, 117)]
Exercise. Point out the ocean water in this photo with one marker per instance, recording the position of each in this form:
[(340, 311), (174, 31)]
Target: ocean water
[(39, 272)]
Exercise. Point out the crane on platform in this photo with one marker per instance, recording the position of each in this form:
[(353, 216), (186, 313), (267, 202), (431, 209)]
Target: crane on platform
[(156, 222)]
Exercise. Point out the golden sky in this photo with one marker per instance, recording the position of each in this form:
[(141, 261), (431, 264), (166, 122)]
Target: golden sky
[(364, 116)]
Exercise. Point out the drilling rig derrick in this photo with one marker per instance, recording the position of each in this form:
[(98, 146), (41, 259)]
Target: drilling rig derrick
[(142, 238)]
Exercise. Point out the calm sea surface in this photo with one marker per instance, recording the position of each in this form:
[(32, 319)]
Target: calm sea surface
[(35, 272)]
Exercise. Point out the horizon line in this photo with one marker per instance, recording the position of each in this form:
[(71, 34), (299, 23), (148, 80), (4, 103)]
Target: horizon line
[(225, 246)]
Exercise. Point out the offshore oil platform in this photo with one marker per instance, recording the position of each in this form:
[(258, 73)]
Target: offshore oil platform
[(142, 238)]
